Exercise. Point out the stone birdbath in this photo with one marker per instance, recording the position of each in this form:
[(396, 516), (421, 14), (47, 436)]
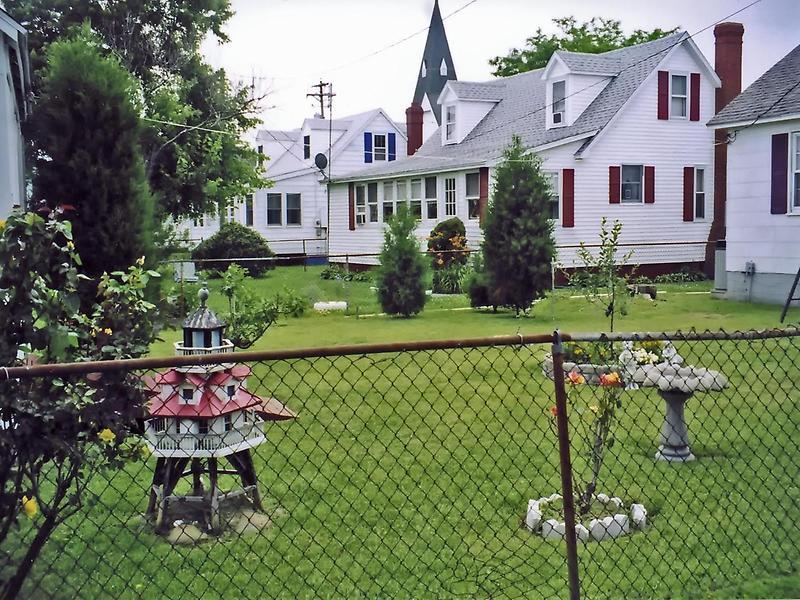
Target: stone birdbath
[(676, 384)]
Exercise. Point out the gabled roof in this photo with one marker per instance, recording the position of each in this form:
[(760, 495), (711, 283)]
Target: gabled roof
[(436, 51), (607, 63), (469, 90), (774, 95), (521, 111)]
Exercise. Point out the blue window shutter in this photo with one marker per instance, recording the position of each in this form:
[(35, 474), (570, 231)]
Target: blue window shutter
[(367, 147), (392, 148)]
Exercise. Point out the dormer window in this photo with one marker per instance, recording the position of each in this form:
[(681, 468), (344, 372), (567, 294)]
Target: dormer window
[(443, 69), (187, 395), (450, 123), (230, 391), (424, 71), (559, 103), (678, 96), (379, 147)]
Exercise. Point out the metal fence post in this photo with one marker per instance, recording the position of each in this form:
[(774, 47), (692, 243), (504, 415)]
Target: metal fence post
[(305, 256), (566, 467)]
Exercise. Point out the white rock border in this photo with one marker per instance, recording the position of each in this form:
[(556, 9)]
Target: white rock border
[(325, 307), (607, 528)]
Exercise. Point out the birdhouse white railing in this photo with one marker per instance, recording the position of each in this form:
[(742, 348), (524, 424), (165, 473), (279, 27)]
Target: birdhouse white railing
[(192, 443), (181, 350)]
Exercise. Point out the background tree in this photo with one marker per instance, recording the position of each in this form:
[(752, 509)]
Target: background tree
[(593, 36), (87, 133), (518, 238), (195, 159), (401, 289)]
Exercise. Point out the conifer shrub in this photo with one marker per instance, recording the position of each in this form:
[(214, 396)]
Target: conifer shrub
[(518, 234), (234, 240), (447, 246), (400, 277)]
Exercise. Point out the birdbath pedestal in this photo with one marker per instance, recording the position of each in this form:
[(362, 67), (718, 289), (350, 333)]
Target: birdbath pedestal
[(674, 439)]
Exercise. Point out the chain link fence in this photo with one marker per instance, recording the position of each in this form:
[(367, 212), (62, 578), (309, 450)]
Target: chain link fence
[(408, 471)]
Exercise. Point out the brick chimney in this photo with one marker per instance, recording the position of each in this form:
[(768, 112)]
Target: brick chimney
[(414, 127), (728, 65)]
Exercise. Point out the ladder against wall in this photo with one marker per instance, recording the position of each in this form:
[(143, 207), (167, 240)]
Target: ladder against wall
[(790, 298)]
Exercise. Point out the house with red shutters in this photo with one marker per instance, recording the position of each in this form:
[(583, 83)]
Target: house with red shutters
[(760, 129), (621, 135), (292, 214)]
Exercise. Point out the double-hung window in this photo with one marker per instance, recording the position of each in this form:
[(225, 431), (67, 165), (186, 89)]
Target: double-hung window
[(306, 146), (555, 193), (230, 213), (679, 91), (200, 221), (795, 192), (274, 212), (431, 199), (159, 425), (248, 210), (416, 198), (202, 427), (450, 123), (402, 196), (473, 195), (361, 204), (372, 202), (228, 422), (559, 101), (699, 193), (632, 183), (388, 200), (293, 214), (450, 197), (379, 146)]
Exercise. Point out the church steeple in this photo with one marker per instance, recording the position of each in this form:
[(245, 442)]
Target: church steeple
[(437, 66), (435, 70)]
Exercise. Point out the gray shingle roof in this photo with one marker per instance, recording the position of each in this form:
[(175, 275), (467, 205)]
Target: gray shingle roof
[(469, 90), (581, 62), (521, 111), (775, 94)]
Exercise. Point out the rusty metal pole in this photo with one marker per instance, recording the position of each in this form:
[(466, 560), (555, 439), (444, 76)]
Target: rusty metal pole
[(566, 467)]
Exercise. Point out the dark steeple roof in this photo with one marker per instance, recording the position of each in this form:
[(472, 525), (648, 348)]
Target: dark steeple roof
[(436, 51)]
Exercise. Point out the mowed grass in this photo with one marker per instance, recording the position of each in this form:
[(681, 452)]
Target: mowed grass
[(407, 475)]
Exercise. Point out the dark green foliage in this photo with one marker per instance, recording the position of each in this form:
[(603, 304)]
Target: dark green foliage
[(339, 273), (593, 36), (476, 283), (401, 290), (446, 242), (86, 129), (234, 240), (518, 240)]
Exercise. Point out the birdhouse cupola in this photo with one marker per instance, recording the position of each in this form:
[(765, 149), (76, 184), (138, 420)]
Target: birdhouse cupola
[(203, 331)]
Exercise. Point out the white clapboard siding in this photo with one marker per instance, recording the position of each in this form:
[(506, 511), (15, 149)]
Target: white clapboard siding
[(772, 242)]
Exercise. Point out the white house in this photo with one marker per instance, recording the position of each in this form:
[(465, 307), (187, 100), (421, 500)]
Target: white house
[(763, 182), (621, 134), (293, 213), (14, 108)]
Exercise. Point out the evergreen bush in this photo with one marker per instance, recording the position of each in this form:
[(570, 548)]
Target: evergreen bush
[(401, 290), (234, 240), (518, 238)]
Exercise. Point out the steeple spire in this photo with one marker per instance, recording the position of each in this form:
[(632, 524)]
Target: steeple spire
[(437, 66)]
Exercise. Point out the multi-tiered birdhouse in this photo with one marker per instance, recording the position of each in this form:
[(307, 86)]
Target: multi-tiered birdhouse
[(200, 413)]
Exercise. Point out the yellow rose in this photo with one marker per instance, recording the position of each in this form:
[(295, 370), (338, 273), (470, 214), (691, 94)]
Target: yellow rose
[(107, 436), (30, 507)]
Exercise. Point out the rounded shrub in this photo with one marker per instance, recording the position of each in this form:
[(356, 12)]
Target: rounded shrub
[(401, 290), (234, 240), (446, 242)]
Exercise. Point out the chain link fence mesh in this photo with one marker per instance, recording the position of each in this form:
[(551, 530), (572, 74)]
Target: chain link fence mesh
[(409, 473)]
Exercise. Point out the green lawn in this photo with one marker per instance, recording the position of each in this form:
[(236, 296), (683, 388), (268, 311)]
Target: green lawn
[(407, 475)]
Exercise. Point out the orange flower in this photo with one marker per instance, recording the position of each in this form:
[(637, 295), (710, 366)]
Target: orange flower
[(554, 411), (610, 379), (576, 378)]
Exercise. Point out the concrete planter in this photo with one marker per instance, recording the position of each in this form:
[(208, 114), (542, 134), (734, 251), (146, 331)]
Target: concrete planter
[(622, 522)]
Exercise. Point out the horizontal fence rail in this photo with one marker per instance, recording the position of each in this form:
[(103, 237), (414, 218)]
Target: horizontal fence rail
[(434, 469)]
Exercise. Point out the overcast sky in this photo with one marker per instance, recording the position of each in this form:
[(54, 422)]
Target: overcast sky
[(288, 45)]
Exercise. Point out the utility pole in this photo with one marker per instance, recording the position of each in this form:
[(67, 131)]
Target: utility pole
[(320, 95)]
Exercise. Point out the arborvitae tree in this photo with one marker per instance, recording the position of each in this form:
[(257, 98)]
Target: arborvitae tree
[(401, 290), (518, 235), (86, 131)]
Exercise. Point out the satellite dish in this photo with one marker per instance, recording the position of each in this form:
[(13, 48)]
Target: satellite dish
[(321, 161)]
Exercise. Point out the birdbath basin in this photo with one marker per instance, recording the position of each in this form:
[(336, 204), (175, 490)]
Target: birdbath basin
[(676, 384)]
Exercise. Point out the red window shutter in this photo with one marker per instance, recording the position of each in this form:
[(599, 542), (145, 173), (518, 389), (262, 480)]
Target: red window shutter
[(351, 191), (649, 185), (688, 193), (483, 193), (663, 95), (779, 199), (568, 198), (613, 185), (694, 97)]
